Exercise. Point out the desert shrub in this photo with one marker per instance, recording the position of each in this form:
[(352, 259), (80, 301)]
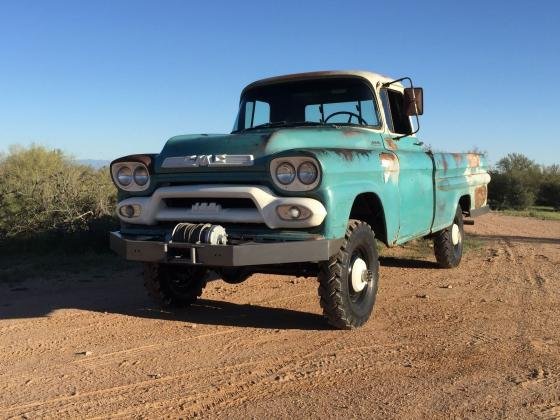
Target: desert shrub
[(515, 182), (497, 189), (518, 195), (45, 196), (549, 193)]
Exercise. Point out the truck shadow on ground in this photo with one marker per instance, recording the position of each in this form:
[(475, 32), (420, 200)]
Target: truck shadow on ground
[(120, 291), (214, 312), (406, 263), (126, 297)]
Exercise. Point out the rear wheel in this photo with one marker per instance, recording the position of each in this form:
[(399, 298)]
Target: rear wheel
[(448, 243), (174, 285), (348, 281)]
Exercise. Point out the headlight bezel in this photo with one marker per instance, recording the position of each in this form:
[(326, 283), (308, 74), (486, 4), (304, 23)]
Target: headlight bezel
[(133, 167), (295, 161)]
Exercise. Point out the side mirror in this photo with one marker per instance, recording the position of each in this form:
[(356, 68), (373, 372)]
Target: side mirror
[(413, 101)]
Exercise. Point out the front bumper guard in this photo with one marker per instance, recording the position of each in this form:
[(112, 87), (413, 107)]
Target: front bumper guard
[(248, 254)]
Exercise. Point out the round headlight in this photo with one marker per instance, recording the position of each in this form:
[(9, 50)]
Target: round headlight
[(307, 173), (141, 176), (285, 173), (124, 176)]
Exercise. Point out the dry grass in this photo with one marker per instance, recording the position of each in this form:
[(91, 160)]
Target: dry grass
[(45, 196)]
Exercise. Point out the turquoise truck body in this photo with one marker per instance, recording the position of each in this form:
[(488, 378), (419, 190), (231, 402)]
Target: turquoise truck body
[(406, 190)]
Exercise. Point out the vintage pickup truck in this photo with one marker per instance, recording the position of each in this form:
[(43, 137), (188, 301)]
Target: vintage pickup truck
[(317, 168)]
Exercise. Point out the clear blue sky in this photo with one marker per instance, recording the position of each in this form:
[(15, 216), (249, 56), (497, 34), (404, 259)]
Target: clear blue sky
[(100, 79)]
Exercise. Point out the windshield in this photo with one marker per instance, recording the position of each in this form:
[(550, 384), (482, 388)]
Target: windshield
[(340, 101)]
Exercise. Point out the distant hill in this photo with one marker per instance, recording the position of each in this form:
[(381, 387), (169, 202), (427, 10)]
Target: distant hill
[(94, 163)]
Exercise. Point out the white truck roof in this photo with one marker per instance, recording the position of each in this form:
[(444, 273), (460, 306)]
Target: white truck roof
[(373, 78)]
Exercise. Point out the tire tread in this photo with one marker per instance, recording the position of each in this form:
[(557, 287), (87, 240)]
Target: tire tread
[(330, 287), (155, 278)]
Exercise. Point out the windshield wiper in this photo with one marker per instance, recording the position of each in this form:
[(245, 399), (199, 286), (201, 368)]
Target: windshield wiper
[(269, 125), (285, 124)]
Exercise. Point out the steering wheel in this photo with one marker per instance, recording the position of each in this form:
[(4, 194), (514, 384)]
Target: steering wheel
[(351, 114)]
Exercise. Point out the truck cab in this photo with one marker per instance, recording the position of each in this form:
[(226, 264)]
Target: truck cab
[(318, 167)]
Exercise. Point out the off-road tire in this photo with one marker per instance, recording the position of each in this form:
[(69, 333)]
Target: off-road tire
[(234, 275), (174, 285), (448, 254), (343, 307)]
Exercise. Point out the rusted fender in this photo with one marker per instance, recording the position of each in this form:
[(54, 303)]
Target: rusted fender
[(459, 175)]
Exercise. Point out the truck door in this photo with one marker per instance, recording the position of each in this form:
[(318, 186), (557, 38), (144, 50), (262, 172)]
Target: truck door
[(415, 169)]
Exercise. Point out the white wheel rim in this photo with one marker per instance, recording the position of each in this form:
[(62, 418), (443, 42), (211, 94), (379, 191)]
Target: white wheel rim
[(455, 234), (359, 269)]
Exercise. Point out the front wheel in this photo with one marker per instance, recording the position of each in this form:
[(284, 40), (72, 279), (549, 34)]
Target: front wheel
[(234, 275), (448, 243), (174, 285), (348, 281)]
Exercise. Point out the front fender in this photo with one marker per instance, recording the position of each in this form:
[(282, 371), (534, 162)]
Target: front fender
[(349, 173)]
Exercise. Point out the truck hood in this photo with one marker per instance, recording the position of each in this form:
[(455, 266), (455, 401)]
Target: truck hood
[(264, 143)]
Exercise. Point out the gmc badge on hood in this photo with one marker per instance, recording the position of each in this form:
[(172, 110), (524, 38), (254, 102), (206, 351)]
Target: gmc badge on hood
[(197, 161)]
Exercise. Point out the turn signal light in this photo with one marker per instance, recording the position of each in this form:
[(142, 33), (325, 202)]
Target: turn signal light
[(288, 212)]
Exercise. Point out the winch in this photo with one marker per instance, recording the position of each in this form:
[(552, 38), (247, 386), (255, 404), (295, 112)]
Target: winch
[(201, 233)]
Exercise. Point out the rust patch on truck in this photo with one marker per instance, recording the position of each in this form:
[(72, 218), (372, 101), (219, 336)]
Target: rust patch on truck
[(444, 163), (390, 165), (474, 160), (389, 156), (350, 132), (480, 195), (391, 145), (347, 154), (458, 159)]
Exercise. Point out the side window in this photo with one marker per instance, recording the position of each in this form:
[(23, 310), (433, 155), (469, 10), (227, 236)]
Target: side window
[(393, 106), (387, 110), (256, 113)]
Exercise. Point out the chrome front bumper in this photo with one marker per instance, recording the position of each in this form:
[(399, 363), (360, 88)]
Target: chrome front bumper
[(153, 208)]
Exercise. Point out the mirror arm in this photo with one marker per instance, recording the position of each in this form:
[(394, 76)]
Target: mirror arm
[(411, 86), (399, 80)]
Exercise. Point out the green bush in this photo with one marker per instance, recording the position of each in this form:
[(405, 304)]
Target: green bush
[(549, 193), (47, 197), (496, 190), (518, 183), (518, 195)]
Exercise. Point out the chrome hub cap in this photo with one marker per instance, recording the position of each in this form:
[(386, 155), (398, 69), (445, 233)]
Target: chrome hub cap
[(455, 234), (359, 275)]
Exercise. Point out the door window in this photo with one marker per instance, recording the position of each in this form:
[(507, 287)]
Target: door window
[(393, 106)]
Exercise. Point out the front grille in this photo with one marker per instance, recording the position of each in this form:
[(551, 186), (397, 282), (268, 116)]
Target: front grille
[(225, 203)]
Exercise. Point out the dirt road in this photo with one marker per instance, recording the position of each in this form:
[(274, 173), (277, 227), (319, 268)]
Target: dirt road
[(479, 341)]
